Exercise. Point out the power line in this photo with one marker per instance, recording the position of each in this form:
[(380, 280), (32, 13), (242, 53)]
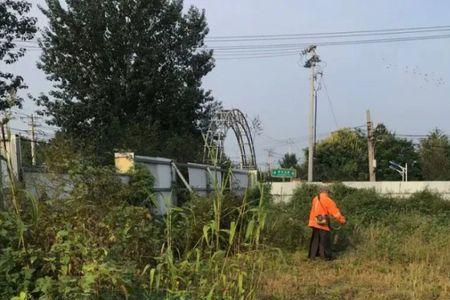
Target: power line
[(255, 56), (296, 35), (252, 51), (281, 141), (411, 135), (291, 46), (331, 36), (330, 103), (240, 52), (286, 49)]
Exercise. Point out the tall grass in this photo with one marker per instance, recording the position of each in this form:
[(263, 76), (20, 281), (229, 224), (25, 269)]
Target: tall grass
[(390, 249), (223, 260)]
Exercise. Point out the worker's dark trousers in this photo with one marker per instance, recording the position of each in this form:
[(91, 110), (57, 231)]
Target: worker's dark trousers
[(320, 244)]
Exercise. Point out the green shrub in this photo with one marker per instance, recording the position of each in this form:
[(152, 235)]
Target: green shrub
[(285, 229), (287, 223), (92, 243), (427, 203), (254, 194), (140, 186)]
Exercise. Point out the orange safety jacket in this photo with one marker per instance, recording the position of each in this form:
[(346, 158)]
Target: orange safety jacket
[(326, 206)]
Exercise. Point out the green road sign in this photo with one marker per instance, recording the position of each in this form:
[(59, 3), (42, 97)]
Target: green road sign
[(284, 173)]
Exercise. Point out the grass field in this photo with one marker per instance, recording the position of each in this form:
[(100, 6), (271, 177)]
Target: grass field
[(359, 275)]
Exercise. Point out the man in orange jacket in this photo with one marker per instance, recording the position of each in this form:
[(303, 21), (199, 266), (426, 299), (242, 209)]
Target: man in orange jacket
[(319, 220)]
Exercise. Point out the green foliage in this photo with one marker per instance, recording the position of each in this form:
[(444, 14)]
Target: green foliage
[(401, 256), (15, 24), (27, 160), (427, 203), (289, 161), (59, 155), (102, 242), (92, 243), (259, 192), (140, 186), (199, 211), (287, 223), (390, 147), (435, 156), (343, 156), (286, 227), (128, 76), (210, 249)]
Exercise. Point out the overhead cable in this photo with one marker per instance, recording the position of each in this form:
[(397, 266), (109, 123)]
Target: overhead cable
[(326, 34)]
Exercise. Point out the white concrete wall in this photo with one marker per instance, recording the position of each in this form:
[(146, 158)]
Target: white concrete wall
[(283, 191)]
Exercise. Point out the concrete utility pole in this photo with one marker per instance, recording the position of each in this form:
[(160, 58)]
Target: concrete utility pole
[(311, 129), (371, 148), (33, 139), (269, 159), (311, 64)]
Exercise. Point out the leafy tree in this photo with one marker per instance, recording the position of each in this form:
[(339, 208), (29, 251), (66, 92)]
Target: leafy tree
[(435, 156), (341, 157), (389, 147), (289, 161), (14, 25), (127, 75)]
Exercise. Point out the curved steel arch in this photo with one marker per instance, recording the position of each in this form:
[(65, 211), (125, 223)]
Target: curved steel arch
[(224, 120)]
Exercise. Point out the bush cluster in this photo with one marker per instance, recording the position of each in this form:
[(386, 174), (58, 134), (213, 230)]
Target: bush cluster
[(69, 248), (102, 241)]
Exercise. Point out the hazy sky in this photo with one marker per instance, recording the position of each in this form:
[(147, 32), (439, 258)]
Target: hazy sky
[(378, 77)]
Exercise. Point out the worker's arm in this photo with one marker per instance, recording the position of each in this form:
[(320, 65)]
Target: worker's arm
[(334, 211)]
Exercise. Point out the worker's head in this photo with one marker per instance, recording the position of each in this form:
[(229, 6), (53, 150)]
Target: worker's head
[(324, 189)]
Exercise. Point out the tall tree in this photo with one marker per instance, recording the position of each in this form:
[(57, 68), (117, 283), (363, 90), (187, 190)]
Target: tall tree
[(127, 75), (289, 160), (435, 156), (15, 25)]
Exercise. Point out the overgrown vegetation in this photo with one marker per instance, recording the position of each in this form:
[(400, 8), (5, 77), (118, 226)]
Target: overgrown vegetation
[(390, 249), (102, 242)]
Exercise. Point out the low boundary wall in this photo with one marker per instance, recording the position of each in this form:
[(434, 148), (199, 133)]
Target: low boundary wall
[(283, 191), (198, 178)]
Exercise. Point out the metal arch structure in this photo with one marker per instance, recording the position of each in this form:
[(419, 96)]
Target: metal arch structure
[(217, 131)]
